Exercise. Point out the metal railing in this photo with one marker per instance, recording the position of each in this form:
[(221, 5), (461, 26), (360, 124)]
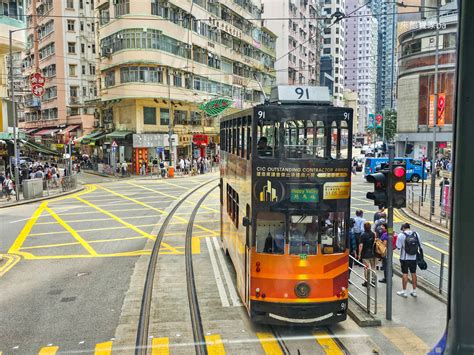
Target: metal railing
[(363, 296), (442, 284), (59, 184), (421, 206)]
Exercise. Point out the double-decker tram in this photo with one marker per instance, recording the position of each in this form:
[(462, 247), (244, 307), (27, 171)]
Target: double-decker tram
[(285, 204)]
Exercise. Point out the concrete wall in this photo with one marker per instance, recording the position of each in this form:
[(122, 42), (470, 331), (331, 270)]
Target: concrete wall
[(408, 97)]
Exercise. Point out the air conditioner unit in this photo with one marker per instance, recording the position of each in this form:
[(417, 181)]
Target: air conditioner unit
[(109, 126), (119, 36)]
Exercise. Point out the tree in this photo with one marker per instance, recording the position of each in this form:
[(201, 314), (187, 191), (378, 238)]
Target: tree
[(390, 117)]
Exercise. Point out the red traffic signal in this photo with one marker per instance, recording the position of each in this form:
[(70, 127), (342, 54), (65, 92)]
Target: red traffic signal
[(399, 172), (398, 186)]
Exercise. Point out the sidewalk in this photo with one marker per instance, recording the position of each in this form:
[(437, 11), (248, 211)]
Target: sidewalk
[(149, 176), (52, 193), (417, 323)]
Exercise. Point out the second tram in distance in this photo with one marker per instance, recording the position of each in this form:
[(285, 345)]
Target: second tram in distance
[(285, 205)]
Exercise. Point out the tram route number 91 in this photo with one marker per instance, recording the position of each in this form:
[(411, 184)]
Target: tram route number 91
[(261, 115)]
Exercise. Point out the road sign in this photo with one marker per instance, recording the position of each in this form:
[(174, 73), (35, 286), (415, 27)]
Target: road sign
[(37, 90), (37, 79), (378, 120), (371, 121), (114, 144)]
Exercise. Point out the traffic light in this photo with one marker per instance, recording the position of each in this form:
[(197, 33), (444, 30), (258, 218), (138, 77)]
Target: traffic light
[(379, 179), (399, 185)]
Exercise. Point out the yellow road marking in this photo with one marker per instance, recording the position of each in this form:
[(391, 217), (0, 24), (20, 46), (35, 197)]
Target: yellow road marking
[(131, 226), (76, 235), (328, 344), (155, 209), (48, 350), (214, 345), (160, 346), (427, 257), (405, 340), (171, 196), (269, 344), (11, 261), (103, 348), (76, 243), (30, 256), (76, 221), (421, 226), (435, 248), (195, 245), (26, 229)]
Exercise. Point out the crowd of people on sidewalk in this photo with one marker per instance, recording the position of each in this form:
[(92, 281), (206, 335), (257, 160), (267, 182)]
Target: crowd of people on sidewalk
[(184, 166), (369, 244)]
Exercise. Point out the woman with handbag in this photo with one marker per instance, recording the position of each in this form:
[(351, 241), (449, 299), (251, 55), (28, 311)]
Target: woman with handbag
[(384, 239)]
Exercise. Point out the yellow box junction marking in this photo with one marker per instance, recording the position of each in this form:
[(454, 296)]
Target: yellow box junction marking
[(214, 345), (76, 235), (11, 261), (328, 344), (26, 230), (269, 344), (421, 226), (171, 196), (48, 350), (405, 340), (103, 348), (195, 245), (160, 346)]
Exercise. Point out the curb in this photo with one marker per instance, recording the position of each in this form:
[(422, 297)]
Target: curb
[(361, 317), (422, 221), (25, 202)]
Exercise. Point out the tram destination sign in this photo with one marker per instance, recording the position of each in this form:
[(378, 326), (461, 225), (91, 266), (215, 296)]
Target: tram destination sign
[(304, 194), (300, 94)]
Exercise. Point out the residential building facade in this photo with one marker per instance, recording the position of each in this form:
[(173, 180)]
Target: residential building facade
[(12, 20), (360, 65), (334, 44), (60, 45), (416, 75), (298, 44), (386, 14), (160, 62)]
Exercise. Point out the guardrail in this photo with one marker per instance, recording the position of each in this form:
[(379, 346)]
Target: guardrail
[(442, 284), (421, 206), (363, 297)]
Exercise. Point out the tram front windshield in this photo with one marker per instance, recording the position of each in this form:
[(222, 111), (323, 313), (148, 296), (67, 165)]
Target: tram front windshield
[(277, 233)]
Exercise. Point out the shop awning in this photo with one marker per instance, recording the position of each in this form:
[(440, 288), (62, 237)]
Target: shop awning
[(96, 138), (40, 148), (9, 136), (31, 130), (46, 132), (88, 137), (69, 129), (118, 134)]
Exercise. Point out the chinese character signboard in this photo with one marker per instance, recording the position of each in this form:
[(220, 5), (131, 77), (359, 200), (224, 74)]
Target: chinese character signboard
[(441, 109), (378, 120), (371, 121)]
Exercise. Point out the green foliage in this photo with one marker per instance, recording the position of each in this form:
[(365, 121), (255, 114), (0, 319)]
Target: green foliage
[(390, 118)]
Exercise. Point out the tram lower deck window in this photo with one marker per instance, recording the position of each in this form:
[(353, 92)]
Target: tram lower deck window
[(270, 233), (267, 138), (304, 139)]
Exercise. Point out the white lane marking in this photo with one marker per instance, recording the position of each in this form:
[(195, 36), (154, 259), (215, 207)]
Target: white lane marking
[(225, 270), (217, 275)]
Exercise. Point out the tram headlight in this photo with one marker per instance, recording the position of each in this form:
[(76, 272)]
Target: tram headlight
[(302, 290)]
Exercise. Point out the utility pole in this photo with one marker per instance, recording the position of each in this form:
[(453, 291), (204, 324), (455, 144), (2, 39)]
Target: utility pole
[(435, 114), (15, 123), (170, 119), (388, 307)]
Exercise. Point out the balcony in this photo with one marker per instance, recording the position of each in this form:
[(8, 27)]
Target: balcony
[(73, 100), (34, 103)]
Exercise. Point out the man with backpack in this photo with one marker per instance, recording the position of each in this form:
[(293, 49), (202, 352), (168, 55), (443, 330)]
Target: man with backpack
[(408, 242)]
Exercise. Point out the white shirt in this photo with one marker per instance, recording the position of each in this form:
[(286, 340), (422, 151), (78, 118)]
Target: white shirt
[(401, 245)]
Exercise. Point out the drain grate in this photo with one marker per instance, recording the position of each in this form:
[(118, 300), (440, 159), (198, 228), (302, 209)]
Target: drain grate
[(68, 299), (55, 292)]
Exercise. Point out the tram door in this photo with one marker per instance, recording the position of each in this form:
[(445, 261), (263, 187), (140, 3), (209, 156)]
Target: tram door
[(247, 255)]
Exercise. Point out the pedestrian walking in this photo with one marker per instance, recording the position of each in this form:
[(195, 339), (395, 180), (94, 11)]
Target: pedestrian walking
[(378, 223), (384, 238), (181, 166), (2, 189), (366, 252), (359, 221), (377, 214), (8, 187), (352, 245), (408, 242)]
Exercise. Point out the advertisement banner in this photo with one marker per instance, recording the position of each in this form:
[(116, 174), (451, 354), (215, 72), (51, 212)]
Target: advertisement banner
[(441, 109), (371, 121)]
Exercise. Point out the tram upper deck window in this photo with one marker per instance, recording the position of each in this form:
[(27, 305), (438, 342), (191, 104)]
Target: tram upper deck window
[(339, 140), (304, 139), (303, 235), (267, 138), (333, 232), (270, 233)]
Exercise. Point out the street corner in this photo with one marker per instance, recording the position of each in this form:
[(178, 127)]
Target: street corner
[(8, 261)]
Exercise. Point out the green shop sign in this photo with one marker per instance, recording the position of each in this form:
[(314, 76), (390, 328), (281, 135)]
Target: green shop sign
[(215, 107)]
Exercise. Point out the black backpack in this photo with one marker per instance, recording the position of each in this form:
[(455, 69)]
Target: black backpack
[(411, 243)]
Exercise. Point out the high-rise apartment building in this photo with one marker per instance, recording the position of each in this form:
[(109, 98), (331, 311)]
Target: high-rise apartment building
[(386, 14), (60, 44), (161, 60), (360, 66), (334, 44), (298, 46), (11, 20)]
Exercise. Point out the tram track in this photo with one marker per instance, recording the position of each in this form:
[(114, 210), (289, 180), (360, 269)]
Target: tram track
[(141, 345)]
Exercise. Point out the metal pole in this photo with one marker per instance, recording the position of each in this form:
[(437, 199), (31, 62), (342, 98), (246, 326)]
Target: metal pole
[(15, 123), (70, 156), (388, 306), (422, 180), (170, 118), (441, 273), (435, 112)]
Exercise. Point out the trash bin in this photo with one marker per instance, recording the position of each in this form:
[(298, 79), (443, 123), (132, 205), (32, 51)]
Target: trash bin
[(170, 172)]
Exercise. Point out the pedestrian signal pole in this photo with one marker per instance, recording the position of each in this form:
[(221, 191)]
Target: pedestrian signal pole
[(388, 306)]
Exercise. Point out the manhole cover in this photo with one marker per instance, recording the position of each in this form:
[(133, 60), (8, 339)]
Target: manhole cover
[(68, 299)]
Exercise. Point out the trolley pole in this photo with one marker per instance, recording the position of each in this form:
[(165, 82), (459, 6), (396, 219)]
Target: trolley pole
[(388, 306)]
